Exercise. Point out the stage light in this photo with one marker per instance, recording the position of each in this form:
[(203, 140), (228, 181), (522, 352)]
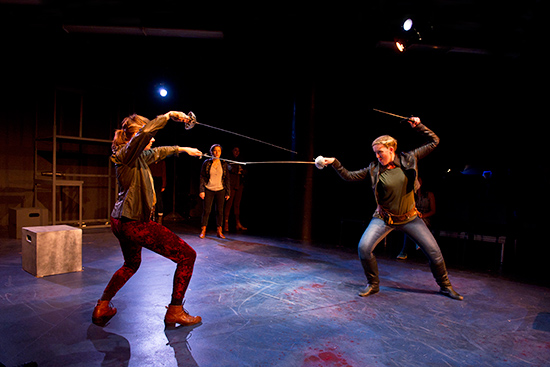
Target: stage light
[(400, 46), (407, 24), (408, 34), (163, 92)]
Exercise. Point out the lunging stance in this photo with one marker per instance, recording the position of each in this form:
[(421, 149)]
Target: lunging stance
[(394, 179), (131, 217)]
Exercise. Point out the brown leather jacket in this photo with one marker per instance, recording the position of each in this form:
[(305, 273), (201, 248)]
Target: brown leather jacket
[(136, 195)]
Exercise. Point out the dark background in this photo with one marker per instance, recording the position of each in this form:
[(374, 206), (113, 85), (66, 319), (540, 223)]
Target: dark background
[(306, 77)]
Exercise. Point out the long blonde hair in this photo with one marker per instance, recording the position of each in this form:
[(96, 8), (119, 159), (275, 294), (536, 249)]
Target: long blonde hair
[(129, 127)]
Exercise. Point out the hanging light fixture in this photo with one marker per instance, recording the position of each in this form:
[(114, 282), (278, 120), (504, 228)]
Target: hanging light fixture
[(408, 34), (407, 24)]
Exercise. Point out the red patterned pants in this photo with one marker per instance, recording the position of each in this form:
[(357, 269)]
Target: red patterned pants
[(133, 235)]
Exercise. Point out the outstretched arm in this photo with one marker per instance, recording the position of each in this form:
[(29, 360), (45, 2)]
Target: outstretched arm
[(344, 173), (191, 151)]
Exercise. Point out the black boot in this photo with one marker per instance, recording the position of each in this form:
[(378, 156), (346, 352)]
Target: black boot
[(439, 272), (370, 268)]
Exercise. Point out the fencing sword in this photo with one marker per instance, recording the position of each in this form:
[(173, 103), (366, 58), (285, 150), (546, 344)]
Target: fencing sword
[(392, 114), (193, 121), (319, 161)]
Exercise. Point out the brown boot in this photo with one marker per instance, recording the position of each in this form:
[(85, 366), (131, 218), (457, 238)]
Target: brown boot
[(159, 218), (178, 315), (240, 227), (220, 234), (103, 312), (369, 290), (203, 232), (226, 226)]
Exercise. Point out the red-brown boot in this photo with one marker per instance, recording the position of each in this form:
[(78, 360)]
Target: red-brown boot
[(103, 312), (240, 227), (226, 226), (203, 232), (178, 315)]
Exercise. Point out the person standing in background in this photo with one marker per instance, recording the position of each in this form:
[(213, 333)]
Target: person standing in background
[(425, 204), (158, 171), (214, 187), (237, 173)]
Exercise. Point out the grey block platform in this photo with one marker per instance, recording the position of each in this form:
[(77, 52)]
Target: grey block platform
[(51, 250)]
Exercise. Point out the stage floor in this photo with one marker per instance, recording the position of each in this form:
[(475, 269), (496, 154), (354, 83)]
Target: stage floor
[(267, 302)]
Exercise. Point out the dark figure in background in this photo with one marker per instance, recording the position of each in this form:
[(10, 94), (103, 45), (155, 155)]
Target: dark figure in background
[(130, 218), (158, 171), (214, 186), (237, 173), (425, 205), (393, 179)]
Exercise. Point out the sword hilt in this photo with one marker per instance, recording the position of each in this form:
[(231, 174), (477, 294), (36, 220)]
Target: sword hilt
[(192, 121)]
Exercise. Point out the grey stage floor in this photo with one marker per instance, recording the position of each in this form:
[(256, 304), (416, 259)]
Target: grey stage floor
[(267, 302)]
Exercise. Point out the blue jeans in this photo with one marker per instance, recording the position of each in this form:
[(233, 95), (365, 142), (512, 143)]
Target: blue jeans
[(416, 229)]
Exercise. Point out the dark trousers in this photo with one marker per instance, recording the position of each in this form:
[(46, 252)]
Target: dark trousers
[(209, 198), (235, 202), (133, 235)]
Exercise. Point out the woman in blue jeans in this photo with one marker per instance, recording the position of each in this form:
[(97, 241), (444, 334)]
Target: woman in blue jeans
[(394, 179)]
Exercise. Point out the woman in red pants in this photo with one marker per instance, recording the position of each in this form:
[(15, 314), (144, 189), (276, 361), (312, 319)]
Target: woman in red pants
[(131, 217)]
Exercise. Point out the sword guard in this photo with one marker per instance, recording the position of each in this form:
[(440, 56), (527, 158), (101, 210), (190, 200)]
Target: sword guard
[(320, 162), (192, 121)]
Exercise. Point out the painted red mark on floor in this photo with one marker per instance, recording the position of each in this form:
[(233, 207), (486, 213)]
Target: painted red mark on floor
[(320, 357)]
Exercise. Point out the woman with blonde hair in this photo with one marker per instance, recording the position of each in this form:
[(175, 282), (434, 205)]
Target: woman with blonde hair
[(394, 179), (131, 217)]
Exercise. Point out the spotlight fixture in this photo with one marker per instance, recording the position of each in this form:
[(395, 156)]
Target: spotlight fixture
[(400, 45), (407, 24), (408, 33), (161, 91)]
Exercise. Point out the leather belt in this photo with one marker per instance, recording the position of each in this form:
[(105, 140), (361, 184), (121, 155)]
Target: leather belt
[(390, 218)]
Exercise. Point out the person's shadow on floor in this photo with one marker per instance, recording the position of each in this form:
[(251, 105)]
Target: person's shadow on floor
[(115, 347)]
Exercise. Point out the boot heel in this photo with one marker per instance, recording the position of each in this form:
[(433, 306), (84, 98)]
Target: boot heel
[(169, 325), (101, 321)]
